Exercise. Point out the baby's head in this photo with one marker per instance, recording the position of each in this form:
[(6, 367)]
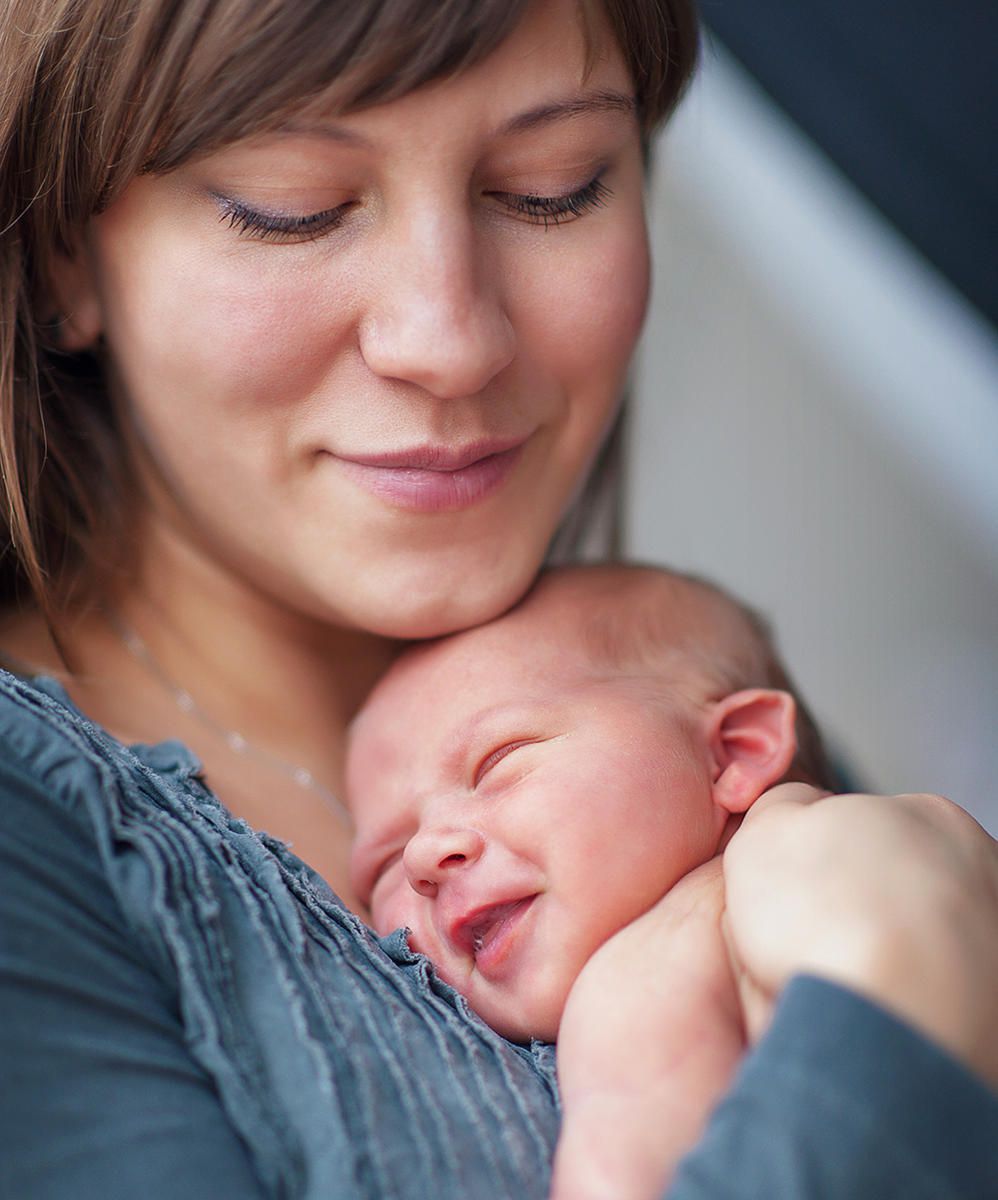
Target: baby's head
[(525, 789)]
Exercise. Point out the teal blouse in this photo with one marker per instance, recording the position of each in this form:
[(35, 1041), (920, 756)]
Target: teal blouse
[(187, 1011)]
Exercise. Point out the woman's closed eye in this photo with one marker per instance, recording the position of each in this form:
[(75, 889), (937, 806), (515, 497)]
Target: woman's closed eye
[(556, 210), (264, 225), (279, 227)]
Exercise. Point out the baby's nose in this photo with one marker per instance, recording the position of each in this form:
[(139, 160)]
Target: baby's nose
[(433, 853)]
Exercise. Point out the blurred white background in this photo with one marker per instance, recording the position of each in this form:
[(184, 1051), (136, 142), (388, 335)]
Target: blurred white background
[(816, 427)]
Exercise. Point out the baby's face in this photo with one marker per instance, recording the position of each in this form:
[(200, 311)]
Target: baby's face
[(515, 808)]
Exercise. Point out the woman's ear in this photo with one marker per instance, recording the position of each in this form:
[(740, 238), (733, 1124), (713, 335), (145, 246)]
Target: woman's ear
[(753, 742), (73, 296)]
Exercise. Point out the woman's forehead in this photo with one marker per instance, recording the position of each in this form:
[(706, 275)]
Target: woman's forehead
[(544, 71), (320, 60)]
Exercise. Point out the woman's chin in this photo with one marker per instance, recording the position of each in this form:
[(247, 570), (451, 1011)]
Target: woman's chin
[(419, 609)]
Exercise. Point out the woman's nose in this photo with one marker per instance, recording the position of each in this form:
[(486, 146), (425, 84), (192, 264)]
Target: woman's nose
[(438, 320), (434, 853)]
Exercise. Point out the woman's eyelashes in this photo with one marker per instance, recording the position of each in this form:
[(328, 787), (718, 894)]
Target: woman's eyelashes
[(556, 210), (270, 226), (262, 225)]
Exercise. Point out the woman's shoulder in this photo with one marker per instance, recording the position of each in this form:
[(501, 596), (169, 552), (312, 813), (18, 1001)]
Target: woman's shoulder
[(68, 785), (45, 746), (50, 748), (47, 738), (140, 818), (57, 796)]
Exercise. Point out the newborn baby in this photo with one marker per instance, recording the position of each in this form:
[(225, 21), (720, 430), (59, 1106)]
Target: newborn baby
[(525, 790)]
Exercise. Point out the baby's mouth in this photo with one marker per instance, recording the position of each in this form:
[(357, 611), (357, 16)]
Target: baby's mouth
[(482, 928), (482, 931)]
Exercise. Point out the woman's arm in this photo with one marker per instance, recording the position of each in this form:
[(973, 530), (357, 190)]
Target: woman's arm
[(841, 1101)]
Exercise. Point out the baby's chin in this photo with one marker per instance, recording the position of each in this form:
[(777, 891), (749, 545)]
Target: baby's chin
[(522, 1023), (522, 1026)]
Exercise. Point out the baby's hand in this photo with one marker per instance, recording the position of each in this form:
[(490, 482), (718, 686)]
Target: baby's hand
[(651, 1035)]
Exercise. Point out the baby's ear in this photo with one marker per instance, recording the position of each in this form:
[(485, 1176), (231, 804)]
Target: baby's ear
[(753, 742)]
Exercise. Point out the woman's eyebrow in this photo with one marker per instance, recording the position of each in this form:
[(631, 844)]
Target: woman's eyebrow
[(543, 114), (572, 106), (335, 133)]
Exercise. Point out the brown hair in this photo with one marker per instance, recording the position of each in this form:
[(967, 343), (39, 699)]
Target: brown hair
[(95, 92)]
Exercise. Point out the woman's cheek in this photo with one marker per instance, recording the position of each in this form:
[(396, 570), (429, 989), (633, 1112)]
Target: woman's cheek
[(196, 313), (589, 304), (255, 336), (617, 288)]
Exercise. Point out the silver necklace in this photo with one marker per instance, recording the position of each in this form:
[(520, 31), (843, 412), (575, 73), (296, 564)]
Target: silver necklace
[(235, 741)]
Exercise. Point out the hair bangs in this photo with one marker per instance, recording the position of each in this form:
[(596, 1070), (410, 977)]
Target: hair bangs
[(216, 73)]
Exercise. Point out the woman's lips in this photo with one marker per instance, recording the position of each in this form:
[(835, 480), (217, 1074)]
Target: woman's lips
[(434, 478)]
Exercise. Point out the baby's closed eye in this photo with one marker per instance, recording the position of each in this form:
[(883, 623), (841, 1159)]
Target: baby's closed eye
[(383, 889), (496, 756), (503, 752)]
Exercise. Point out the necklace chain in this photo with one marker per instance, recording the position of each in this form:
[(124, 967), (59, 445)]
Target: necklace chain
[(236, 742)]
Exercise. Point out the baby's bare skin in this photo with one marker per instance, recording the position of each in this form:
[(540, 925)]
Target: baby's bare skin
[(542, 808), (650, 1038), (549, 822)]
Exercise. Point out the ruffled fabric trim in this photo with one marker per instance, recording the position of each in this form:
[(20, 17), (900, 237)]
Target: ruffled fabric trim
[(347, 1067)]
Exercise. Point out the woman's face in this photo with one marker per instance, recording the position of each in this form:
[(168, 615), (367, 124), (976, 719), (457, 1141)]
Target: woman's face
[(370, 358)]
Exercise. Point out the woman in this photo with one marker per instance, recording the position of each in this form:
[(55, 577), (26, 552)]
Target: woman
[(315, 319)]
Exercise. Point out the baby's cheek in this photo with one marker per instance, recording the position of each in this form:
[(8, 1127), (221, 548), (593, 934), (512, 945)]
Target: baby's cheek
[(393, 910), (389, 910)]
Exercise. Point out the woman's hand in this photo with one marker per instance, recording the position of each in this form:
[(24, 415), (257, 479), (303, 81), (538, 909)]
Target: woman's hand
[(895, 897)]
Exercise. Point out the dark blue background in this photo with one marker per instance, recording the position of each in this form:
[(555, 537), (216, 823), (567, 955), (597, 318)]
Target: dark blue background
[(904, 98)]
